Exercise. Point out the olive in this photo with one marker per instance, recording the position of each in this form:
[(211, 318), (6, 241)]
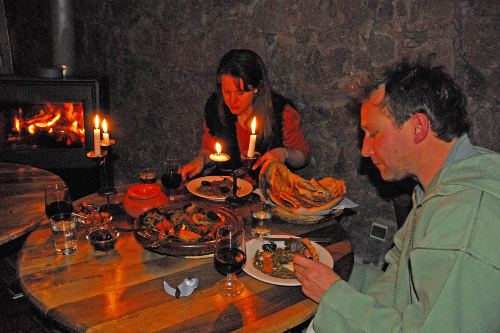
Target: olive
[(186, 206), (269, 247), (213, 216), (205, 239), (224, 189), (173, 238), (206, 183)]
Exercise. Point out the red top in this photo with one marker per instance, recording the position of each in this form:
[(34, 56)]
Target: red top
[(293, 135)]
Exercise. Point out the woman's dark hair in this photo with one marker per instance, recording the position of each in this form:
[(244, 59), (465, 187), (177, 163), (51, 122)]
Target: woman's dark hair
[(246, 66), (421, 88)]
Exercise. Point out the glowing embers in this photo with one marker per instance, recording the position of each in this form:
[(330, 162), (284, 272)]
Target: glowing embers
[(50, 125)]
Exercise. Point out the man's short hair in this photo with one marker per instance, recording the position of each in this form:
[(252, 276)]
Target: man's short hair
[(421, 88)]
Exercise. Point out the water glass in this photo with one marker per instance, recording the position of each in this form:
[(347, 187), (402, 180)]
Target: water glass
[(262, 217), (64, 232)]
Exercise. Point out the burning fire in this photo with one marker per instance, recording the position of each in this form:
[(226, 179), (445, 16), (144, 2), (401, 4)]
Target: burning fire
[(62, 121)]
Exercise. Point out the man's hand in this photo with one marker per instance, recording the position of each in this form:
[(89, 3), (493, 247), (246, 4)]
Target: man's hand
[(315, 277)]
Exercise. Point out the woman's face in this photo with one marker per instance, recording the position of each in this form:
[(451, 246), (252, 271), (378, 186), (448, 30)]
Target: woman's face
[(237, 100)]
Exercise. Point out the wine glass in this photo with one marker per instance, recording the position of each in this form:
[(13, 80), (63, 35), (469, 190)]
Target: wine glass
[(57, 200), (229, 258), (172, 177)]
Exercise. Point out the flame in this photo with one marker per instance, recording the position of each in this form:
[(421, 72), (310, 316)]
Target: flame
[(104, 126), (96, 121), (17, 125), (253, 125), (62, 121), (218, 148)]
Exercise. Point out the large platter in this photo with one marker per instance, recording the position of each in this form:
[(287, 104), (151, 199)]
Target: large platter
[(253, 245), (245, 187), (184, 248)]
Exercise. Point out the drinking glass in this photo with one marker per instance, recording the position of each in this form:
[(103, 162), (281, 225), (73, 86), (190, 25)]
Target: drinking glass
[(229, 258), (64, 232), (57, 200), (147, 176), (172, 177)]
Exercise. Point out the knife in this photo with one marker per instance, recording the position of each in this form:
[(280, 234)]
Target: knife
[(312, 239)]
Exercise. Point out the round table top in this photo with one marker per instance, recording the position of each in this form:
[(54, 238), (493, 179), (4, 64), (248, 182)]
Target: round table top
[(122, 290), (22, 204)]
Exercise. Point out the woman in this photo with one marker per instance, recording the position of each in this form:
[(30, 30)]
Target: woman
[(243, 92)]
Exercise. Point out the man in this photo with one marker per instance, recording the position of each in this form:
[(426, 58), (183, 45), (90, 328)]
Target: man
[(444, 270)]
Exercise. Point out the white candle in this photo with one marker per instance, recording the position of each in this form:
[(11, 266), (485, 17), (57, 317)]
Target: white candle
[(253, 138), (105, 134), (219, 157), (97, 138)]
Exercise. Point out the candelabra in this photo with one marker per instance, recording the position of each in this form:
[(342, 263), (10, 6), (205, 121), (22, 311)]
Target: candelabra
[(106, 189)]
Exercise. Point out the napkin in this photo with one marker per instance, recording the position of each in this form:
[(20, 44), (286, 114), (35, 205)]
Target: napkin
[(186, 288)]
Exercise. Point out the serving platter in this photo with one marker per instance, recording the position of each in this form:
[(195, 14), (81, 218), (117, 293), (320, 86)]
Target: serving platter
[(254, 244), (146, 238), (244, 187)]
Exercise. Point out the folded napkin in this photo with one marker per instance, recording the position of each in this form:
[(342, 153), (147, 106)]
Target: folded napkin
[(186, 288)]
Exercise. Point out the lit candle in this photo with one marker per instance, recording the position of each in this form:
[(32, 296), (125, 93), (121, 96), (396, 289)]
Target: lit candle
[(105, 134), (97, 138), (219, 157), (253, 138)]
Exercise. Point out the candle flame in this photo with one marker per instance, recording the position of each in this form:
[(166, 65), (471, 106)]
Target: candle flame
[(218, 148), (104, 126), (253, 125), (96, 121)]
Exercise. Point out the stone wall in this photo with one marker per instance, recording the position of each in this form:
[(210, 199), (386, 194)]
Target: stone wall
[(160, 58)]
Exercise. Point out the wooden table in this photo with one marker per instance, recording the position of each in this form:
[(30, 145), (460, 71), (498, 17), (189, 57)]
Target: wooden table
[(122, 291), (22, 199)]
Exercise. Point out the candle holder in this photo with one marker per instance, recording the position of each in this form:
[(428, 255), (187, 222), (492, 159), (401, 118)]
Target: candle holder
[(106, 189), (248, 162), (219, 159)]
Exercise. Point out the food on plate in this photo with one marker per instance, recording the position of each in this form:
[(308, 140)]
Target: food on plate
[(291, 192), (277, 261), (217, 188), (189, 224)]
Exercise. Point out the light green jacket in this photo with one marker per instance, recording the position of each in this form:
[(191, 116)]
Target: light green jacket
[(444, 270)]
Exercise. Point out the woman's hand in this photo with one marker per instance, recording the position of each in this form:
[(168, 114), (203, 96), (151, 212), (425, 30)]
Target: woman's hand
[(279, 154), (315, 277), (192, 168)]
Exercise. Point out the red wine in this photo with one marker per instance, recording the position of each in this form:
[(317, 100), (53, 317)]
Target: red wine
[(229, 260), (171, 179), (58, 207)]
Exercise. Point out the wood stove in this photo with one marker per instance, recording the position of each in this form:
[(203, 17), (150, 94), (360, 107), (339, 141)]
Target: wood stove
[(48, 123)]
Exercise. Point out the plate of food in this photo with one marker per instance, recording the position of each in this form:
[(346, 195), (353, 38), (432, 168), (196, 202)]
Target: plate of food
[(296, 199), (218, 187), (183, 229), (272, 262)]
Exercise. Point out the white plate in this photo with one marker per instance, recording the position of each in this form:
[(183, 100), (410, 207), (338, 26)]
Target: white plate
[(244, 187), (253, 245)]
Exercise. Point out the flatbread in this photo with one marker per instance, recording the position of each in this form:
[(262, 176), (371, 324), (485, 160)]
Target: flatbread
[(291, 192)]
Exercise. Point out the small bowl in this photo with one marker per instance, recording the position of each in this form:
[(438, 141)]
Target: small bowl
[(103, 239)]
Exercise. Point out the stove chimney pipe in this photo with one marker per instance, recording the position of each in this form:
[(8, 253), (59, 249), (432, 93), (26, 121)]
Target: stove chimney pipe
[(63, 36)]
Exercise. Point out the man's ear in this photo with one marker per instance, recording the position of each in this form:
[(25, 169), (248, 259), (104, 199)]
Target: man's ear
[(421, 125)]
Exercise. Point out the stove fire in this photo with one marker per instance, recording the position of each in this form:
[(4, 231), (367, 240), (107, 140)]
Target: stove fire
[(50, 125)]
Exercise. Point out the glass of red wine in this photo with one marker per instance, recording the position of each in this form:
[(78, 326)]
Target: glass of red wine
[(229, 258), (57, 200), (172, 177)]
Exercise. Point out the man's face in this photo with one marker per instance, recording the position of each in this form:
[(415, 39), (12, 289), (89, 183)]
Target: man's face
[(237, 100), (388, 146)]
